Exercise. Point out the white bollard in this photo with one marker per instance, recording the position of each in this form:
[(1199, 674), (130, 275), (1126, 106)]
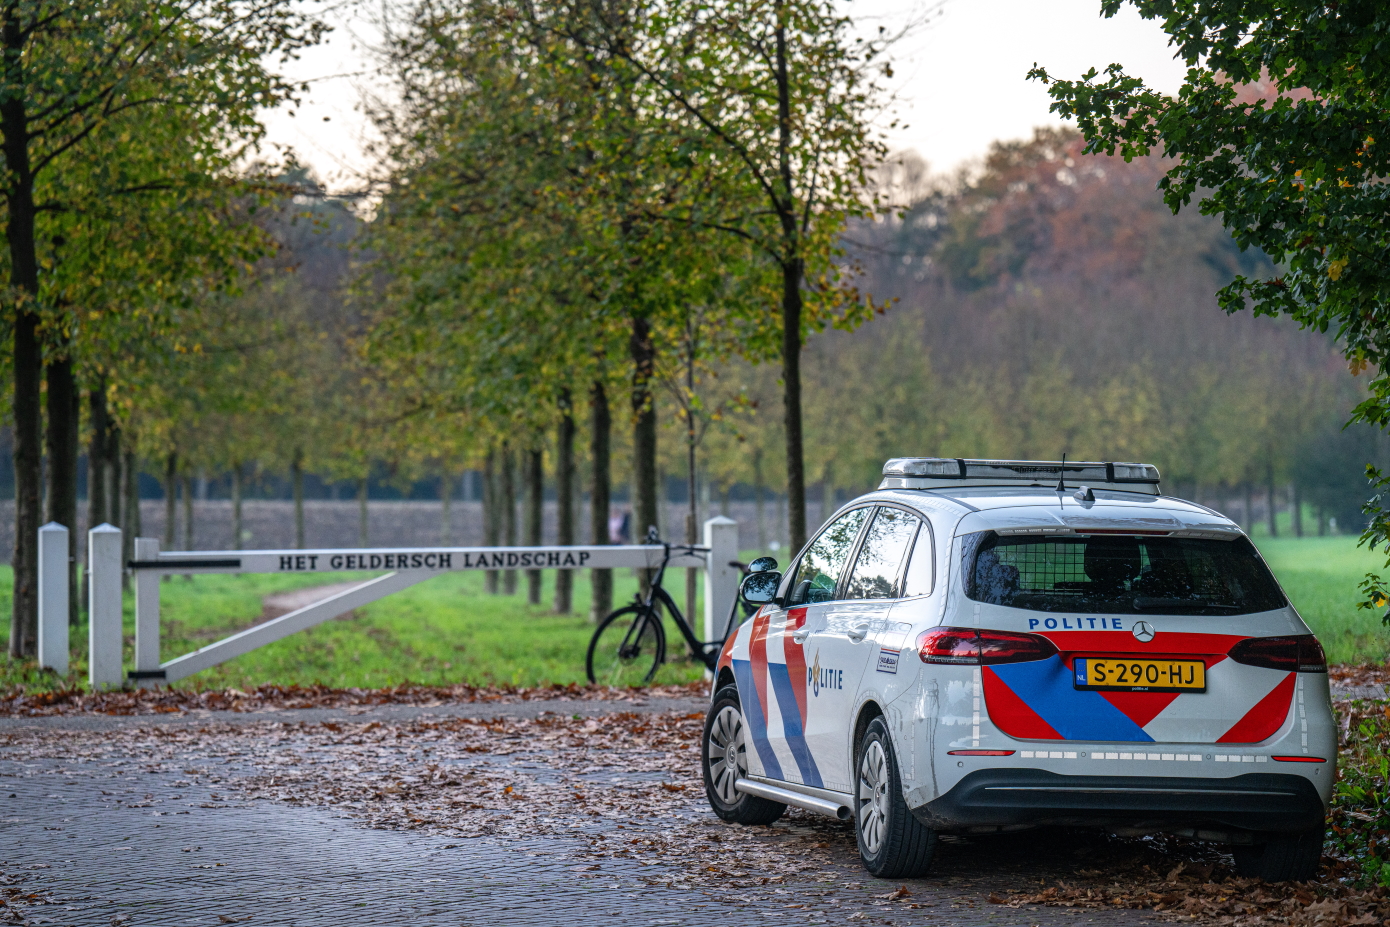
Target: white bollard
[(147, 672), (104, 607), (721, 580), (53, 598)]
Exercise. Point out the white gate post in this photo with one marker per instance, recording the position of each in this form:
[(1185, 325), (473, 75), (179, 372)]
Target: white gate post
[(721, 580), (104, 607), (147, 670), (53, 598)]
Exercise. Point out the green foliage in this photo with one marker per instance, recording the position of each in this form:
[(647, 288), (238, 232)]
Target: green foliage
[(1276, 130), (1360, 815)]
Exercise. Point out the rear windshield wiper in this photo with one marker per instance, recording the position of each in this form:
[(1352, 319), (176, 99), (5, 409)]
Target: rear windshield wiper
[(1145, 601)]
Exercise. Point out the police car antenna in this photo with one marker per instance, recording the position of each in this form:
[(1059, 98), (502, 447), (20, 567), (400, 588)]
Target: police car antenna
[(1062, 474)]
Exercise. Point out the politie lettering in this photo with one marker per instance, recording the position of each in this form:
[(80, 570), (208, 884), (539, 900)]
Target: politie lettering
[(1077, 624)]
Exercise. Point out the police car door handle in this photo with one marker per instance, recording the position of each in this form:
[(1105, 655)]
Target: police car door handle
[(858, 634), (800, 635)]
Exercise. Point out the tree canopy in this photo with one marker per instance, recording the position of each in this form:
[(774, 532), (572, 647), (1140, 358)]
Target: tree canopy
[(1279, 128)]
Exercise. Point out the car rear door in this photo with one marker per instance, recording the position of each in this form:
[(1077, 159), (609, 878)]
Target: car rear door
[(842, 649)]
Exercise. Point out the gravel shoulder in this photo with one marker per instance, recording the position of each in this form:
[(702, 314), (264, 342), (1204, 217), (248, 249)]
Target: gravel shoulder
[(482, 710)]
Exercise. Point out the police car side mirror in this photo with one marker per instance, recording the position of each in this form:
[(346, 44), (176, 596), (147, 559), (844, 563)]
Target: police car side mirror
[(763, 565), (760, 588)]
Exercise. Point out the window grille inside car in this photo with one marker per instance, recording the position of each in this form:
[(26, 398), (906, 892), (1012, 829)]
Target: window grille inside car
[(1118, 574)]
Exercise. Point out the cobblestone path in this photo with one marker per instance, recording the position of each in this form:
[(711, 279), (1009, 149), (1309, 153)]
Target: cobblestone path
[(102, 827)]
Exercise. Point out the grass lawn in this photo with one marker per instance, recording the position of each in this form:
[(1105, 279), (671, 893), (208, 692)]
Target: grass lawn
[(448, 630), (445, 631), (1320, 576)]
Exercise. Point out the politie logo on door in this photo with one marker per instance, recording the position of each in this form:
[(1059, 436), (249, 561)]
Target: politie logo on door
[(887, 661), (823, 677)]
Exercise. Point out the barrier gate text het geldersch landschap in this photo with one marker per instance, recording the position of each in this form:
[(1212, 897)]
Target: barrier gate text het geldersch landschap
[(408, 566)]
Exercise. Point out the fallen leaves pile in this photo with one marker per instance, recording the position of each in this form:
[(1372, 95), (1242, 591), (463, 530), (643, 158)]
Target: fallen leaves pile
[(15, 900), (18, 702), (1365, 674), (1211, 893)]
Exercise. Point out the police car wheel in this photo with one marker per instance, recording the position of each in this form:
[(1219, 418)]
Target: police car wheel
[(724, 760), (892, 843), (1282, 858)]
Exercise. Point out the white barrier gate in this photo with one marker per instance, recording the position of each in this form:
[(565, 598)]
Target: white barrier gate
[(408, 565)]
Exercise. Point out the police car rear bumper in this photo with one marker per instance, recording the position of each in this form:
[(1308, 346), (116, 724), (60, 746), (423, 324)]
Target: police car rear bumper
[(1256, 802)]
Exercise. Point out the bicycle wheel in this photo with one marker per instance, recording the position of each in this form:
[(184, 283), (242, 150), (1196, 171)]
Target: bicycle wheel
[(627, 648)]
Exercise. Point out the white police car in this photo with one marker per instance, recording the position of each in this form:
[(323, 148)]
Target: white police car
[(981, 646)]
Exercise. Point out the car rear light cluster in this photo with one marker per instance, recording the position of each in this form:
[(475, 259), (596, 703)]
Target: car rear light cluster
[(1295, 654), (969, 647)]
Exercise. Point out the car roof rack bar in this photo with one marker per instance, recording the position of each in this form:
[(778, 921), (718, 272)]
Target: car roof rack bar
[(928, 472)]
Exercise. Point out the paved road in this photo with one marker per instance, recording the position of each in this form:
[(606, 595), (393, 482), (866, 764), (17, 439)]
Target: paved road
[(108, 839)]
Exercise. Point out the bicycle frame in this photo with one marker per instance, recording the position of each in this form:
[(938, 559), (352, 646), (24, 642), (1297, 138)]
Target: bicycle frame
[(706, 651)]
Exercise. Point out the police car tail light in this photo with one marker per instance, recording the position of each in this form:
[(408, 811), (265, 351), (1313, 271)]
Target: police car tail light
[(966, 646), (1295, 654)]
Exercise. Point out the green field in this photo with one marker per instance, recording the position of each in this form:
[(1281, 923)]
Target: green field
[(449, 630), (1320, 576), (445, 631)]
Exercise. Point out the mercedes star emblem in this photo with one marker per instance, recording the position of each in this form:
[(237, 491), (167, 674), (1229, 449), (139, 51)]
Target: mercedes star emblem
[(1144, 631)]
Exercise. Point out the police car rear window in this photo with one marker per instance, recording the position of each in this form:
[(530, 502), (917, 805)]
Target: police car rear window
[(1118, 574)]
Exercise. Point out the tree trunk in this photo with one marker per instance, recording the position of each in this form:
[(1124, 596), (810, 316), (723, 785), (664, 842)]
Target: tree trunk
[(534, 465), (237, 530), (116, 484), (1296, 509), (186, 487), (446, 494), (297, 487), (61, 439), (97, 465), (791, 400), (130, 473), (600, 494), (99, 420), (692, 518), (1273, 502), (171, 499), (644, 493), (492, 516), (564, 500), (1250, 508), (1322, 522), (27, 475), (27, 353), (186, 490), (130, 491), (793, 270), (508, 501), (362, 511)]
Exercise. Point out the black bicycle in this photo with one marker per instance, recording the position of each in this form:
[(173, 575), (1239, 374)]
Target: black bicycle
[(629, 646)]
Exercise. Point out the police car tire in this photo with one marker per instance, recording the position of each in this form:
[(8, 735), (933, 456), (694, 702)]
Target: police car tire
[(1282, 858), (908, 844), (748, 809)]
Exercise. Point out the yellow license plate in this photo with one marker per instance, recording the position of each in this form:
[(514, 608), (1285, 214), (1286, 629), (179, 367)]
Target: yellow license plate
[(1118, 675)]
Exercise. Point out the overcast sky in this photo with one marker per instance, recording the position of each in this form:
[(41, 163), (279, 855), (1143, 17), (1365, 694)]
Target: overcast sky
[(959, 81)]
